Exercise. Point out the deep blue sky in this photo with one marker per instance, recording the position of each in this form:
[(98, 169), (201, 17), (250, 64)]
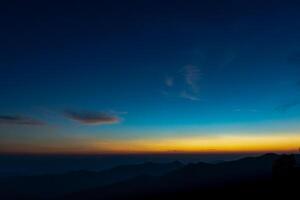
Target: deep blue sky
[(126, 70)]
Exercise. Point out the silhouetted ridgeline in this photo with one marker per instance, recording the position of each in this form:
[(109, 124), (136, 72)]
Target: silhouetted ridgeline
[(59, 184), (12, 165), (268, 175)]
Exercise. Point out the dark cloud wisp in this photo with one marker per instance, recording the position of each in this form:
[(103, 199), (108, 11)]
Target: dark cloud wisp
[(287, 106), (92, 118), (19, 120)]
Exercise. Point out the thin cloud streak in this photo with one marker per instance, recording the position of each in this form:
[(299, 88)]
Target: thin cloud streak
[(287, 106), (169, 81), (187, 83), (188, 96), (19, 120), (192, 77), (92, 118), (245, 110)]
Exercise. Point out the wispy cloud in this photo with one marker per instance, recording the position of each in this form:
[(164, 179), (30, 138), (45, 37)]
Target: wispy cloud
[(287, 106), (19, 120), (188, 96), (192, 76), (245, 110), (169, 81), (114, 112), (92, 118), (184, 83)]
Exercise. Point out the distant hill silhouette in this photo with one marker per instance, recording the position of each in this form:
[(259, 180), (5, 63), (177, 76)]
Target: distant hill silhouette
[(189, 177), (57, 184), (267, 176)]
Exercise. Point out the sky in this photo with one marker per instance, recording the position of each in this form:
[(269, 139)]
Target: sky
[(149, 76)]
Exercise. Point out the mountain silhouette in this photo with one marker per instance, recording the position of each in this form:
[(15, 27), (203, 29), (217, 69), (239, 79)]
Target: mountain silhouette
[(267, 175), (253, 175), (55, 185)]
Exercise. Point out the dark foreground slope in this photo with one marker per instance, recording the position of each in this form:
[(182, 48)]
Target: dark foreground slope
[(267, 176), (242, 179), (55, 185)]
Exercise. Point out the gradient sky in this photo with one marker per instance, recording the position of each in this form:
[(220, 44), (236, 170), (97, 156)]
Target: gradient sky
[(149, 76)]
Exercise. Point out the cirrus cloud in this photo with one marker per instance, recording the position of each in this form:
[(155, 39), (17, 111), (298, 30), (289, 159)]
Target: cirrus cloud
[(192, 76), (188, 96), (187, 83), (287, 106), (169, 81)]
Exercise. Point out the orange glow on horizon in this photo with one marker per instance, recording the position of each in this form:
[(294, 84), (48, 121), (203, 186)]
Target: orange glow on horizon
[(221, 144), (193, 144)]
